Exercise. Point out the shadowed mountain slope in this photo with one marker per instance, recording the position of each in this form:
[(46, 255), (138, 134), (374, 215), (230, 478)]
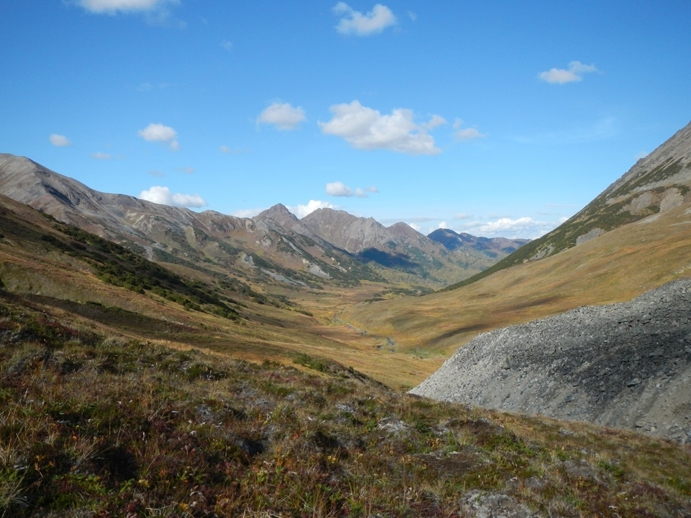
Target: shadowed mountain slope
[(398, 247), (496, 247)]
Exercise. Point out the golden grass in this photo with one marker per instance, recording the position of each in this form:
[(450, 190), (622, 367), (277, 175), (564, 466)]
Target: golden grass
[(612, 268)]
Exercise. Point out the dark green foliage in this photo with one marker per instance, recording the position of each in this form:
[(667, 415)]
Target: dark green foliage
[(121, 267)]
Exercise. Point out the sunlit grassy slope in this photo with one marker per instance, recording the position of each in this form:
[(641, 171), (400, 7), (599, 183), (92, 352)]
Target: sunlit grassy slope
[(116, 292), (615, 267)]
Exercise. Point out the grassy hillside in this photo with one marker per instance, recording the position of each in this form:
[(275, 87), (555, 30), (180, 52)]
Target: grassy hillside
[(615, 267), (97, 426), (118, 292)]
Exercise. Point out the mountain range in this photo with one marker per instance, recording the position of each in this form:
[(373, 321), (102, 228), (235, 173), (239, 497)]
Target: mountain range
[(107, 302), (326, 246)]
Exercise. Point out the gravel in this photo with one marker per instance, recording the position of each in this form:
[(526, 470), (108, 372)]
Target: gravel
[(624, 365)]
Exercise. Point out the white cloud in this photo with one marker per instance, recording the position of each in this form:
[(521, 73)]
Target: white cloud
[(283, 116), (571, 75), (503, 224), (354, 22), (160, 133), (469, 134), (246, 213), (414, 226), (102, 156), (113, 6), (338, 189), (524, 227), (163, 196), (227, 45), (462, 215), (187, 170), (442, 224), (303, 210), (466, 133), (365, 128), (413, 17), (157, 173), (435, 121), (59, 140)]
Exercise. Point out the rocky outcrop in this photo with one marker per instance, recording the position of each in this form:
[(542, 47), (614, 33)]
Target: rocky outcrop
[(624, 365)]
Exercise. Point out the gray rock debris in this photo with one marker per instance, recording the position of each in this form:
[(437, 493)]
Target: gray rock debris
[(622, 365), (494, 505)]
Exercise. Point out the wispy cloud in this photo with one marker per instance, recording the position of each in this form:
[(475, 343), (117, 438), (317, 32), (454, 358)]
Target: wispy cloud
[(340, 189), (354, 22), (233, 151), (463, 134), (303, 210), (283, 116), (186, 170), (572, 74), (156, 12), (523, 227), (227, 45), (157, 173), (160, 133), (365, 128), (164, 196), (102, 156), (59, 140)]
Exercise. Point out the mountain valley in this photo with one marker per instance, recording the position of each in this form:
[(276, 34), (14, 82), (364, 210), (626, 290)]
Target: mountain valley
[(274, 347)]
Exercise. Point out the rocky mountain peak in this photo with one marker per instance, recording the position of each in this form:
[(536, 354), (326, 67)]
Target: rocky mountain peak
[(279, 213)]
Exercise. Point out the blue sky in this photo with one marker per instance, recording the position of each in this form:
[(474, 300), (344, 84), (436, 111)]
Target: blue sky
[(496, 118)]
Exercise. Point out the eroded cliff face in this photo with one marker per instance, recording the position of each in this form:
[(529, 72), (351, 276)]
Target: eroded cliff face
[(623, 365)]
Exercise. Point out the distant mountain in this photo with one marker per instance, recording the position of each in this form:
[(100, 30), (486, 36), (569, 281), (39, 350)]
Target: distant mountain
[(328, 246), (244, 248), (655, 184), (493, 247), (398, 247)]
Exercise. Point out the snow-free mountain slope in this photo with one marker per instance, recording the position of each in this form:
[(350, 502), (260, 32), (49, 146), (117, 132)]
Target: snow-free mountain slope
[(495, 247), (328, 246), (613, 267), (655, 184)]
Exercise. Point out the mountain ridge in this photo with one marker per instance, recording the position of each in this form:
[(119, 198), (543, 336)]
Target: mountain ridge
[(655, 184), (275, 246)]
